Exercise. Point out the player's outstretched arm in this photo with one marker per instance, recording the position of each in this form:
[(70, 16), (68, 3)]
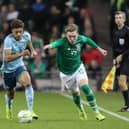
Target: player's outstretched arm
[(47, 46), (103, 51)]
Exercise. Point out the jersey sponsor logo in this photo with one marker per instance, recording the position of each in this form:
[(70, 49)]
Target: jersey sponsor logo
[(121, 41)]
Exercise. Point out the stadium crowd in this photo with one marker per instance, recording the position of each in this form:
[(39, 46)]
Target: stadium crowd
[(46, 21)]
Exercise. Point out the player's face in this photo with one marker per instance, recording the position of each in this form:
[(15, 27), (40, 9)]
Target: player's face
[(72, 36), (17, 33), (119, 19)]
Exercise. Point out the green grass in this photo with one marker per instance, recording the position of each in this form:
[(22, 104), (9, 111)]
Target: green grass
[(58, 112)]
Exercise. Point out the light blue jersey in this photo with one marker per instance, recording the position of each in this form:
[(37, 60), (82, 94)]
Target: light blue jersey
[(16, 47)]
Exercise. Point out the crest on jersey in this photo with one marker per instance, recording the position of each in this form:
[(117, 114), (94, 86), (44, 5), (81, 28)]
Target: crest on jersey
[(78, 47), (121, 41)]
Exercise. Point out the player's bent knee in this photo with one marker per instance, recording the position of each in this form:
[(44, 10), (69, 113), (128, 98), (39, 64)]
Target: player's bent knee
[(83, 82), (76, 93), (26, 84), (11, 94)]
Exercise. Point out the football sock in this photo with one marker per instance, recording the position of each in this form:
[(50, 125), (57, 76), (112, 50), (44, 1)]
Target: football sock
[(126, 97), (8, 101), (29, 93), (77, 101), (90, 97)]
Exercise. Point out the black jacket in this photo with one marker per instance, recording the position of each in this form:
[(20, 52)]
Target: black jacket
[(120, 43)]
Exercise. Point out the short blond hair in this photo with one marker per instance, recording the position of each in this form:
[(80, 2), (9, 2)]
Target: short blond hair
[(71, 28), (121, 13)]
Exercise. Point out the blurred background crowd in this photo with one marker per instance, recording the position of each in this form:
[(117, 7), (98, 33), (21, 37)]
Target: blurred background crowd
[(46, 20)]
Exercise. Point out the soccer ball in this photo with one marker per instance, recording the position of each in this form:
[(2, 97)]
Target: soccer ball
[(24, 116)]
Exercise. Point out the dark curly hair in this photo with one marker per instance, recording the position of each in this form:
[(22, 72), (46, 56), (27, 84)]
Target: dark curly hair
[(17, 23)]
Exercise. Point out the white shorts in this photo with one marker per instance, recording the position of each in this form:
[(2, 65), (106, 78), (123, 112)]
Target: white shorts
[(72, 82)]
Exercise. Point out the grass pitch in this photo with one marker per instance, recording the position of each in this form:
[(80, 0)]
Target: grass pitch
[(58, 112)]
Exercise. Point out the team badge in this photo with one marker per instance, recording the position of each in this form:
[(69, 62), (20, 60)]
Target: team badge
[(121, 41), (78, 47)]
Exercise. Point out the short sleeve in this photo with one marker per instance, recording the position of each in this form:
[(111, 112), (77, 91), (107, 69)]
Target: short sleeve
[(7, 44), (84, 39), (27, 36)]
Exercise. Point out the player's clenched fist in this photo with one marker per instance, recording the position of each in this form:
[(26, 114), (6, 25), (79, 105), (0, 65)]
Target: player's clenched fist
[(26, 53)]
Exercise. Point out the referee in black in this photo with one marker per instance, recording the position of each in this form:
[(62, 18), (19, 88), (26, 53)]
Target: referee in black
[(120, 47)]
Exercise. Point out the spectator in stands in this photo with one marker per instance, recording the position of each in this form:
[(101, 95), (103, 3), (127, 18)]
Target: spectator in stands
[(81, 19), (81, 3), (55, 16), (89, 25), (37, 41), (13, 13), (70, 20), (92, 59), (37, 66), (39, 15), (5, 30), (3, 14)]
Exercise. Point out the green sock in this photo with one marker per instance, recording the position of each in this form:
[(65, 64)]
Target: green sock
[(90, 97), (77, 101)]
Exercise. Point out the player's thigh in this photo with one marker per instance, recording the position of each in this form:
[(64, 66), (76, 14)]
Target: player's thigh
[(81, 76), (24, 79), (69, 81)]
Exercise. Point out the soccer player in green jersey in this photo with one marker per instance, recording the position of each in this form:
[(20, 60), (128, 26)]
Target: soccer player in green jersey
[(72, 71)]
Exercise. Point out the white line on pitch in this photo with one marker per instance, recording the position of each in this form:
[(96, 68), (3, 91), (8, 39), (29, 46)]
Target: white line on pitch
[(102, 109)]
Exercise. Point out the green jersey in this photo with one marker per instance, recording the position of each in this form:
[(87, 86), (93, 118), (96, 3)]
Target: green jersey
[(68, 55)]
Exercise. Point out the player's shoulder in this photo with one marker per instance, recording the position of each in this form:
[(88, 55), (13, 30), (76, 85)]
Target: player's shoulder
[(26, 34), (82, 37), (61, 39), (8, 38)]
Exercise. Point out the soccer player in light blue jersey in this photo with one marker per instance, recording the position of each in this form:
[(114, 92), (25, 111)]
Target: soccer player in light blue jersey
[(13, 67)]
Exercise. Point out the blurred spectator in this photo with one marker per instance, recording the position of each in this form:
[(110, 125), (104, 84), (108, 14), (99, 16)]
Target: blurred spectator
[(81, 19), (5, 30), (89, 25), (92, 59), (37, 41), (3, 14), (37, 66), (81, 3), (54, 34), (70, 20), (55, 17), (39, 15), (12, 13)]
